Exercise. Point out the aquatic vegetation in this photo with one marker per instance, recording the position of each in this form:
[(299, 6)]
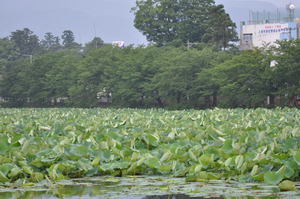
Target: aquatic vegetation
[(50, 145)]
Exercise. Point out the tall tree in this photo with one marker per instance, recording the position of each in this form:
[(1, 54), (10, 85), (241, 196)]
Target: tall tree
[(221, 30), (26, 41), (68, 39), (14, 83), (175, 82), (8, 52), (242, 80), (285, 75), (95, 76), (169, 21), (50, 42), (8, 49)]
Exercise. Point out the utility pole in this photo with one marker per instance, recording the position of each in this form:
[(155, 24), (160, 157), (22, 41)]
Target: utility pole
[(95, 33)]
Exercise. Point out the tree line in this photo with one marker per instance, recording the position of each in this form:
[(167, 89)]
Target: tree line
[(168, 76), (58, 72)]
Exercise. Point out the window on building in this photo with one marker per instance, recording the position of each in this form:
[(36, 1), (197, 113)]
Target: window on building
[(247, 38)]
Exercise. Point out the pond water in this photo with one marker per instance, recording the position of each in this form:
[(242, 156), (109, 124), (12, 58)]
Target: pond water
[(144, 187)]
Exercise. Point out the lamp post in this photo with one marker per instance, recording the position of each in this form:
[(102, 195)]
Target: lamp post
[(291, 9)]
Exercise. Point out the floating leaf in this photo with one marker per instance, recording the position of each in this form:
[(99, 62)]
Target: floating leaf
[(273, 178), (287, 185), (239, 160), (152, 162), (227, 146), (3, 178), (207, 160), (4, 145), (297, 157), (230, 144), (255, 170)]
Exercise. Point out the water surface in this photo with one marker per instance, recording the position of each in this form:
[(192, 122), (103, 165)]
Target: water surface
[(145, 187)]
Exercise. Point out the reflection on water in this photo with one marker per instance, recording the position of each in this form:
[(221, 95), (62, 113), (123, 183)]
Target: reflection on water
[(45, 195), (83, 193), (90, 193), (179, 196), (145, 187)]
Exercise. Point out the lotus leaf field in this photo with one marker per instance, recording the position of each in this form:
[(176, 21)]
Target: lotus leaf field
[(240, 145)]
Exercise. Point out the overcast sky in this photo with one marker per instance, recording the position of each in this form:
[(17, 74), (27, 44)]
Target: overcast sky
[(109, 19)]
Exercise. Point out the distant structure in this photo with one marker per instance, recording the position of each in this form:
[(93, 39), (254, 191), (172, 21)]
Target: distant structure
[(265, 28), (119, 44)]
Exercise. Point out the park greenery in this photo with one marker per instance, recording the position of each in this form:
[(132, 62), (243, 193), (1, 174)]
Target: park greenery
[(177, 22), (192, 61), (168, 76)]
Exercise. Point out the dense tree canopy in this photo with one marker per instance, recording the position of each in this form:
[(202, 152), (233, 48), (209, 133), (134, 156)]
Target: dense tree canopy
[(285, 74), (97, 42), (8, 50), (210, 73), (241, 79), (51, 42), (68, 39), (177, 22), (100, 74), (26, 41)]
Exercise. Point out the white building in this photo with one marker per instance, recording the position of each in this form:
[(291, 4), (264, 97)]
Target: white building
[(259, 35), (260, 32)]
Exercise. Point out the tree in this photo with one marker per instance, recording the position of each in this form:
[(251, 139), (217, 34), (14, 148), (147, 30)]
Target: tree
[(8, 52), (89, 77), (14, 83), (132, 72), (97, 42), (26, 41), (49, 78), (176, 80), (68, 39), (242, 80), (207, 83), (222, 29), (169, 21), (50, 42), (285, 75)]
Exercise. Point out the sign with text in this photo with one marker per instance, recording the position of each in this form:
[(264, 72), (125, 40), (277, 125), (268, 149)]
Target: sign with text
[(263, 34)]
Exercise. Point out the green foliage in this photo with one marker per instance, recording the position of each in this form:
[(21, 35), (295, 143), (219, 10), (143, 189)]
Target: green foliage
[(287, 185), (97, 42), (51, 42), (177, 22), (14, 82), (68, 40), (242, 81), (8, 51), (26, 42), (287, 70), (221, 30), (172, 77), (243, 145), (273, 177)]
